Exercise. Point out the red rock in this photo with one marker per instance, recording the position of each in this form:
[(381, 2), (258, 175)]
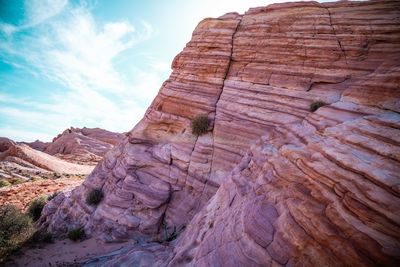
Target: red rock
[(83, 146), (5, 144), (271, 183), (24, 156)]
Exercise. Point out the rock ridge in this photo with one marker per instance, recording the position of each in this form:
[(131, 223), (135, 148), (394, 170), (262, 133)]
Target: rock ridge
[(85, 146)]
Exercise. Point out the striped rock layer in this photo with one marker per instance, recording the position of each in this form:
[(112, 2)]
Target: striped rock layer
[(271, 183)]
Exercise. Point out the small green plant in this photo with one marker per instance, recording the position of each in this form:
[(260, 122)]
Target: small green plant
[(316, 105), (200, 125), (34, 179), (76, 234), (50, 197), (15, 181), (4, 183), (94, 197), (36, 206), (15, 229)]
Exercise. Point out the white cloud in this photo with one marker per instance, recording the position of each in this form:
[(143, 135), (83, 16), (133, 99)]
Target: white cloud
[(7, 29), (73, 50), (38, 11), (80, 55)]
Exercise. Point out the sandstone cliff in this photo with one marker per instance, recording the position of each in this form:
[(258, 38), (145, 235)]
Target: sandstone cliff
[(271, 183)]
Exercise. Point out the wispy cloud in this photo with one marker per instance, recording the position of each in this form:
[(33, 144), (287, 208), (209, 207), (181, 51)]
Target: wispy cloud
[(38, 11), (64, 44)]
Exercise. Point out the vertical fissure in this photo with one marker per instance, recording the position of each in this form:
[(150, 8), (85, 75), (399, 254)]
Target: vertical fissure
[(334, 33), (229, 63), (219, 97)]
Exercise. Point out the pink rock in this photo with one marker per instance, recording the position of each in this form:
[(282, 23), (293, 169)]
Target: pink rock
[(271, 183)]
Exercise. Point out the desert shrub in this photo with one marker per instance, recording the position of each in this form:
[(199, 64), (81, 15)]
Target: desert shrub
[(35, 178), (15, 228), (50, 197), (35, 207), (94, 197), (4, 183), (47, 237), (15, 181), (41, 237), (316, 105), (76, 234), (200, 125)]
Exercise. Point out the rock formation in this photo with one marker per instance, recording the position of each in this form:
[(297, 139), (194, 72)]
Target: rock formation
[(5, 144), (21, 156), (271, 183), (83, 146), (75, 152)]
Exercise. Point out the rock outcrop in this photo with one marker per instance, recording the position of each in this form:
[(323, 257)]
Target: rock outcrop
[(5, 144), (82, 146), (271, 183), (22, 156)]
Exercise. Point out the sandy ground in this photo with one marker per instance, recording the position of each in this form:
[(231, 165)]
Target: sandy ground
[(64, 253), (21, 195)]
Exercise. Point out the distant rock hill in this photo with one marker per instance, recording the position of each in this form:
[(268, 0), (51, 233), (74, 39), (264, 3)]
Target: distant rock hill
[(28, 157), (75, 151), (300, 165), (81, 146)]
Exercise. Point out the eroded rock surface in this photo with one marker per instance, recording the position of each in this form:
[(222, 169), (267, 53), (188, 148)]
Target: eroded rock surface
[(82, 146), (307, 188), (21, 156)]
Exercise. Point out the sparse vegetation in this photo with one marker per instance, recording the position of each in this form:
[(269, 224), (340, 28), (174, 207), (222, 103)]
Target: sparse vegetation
[(94, 197), (36, 206), (35, 178), (15, 181), (168, 235), (4, 183), (200, 125), (76, 234), (15, 229), (316, 105), (41, 237), (50, 197)]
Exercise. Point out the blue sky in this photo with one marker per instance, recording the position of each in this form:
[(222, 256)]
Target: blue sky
[(90, 63)]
